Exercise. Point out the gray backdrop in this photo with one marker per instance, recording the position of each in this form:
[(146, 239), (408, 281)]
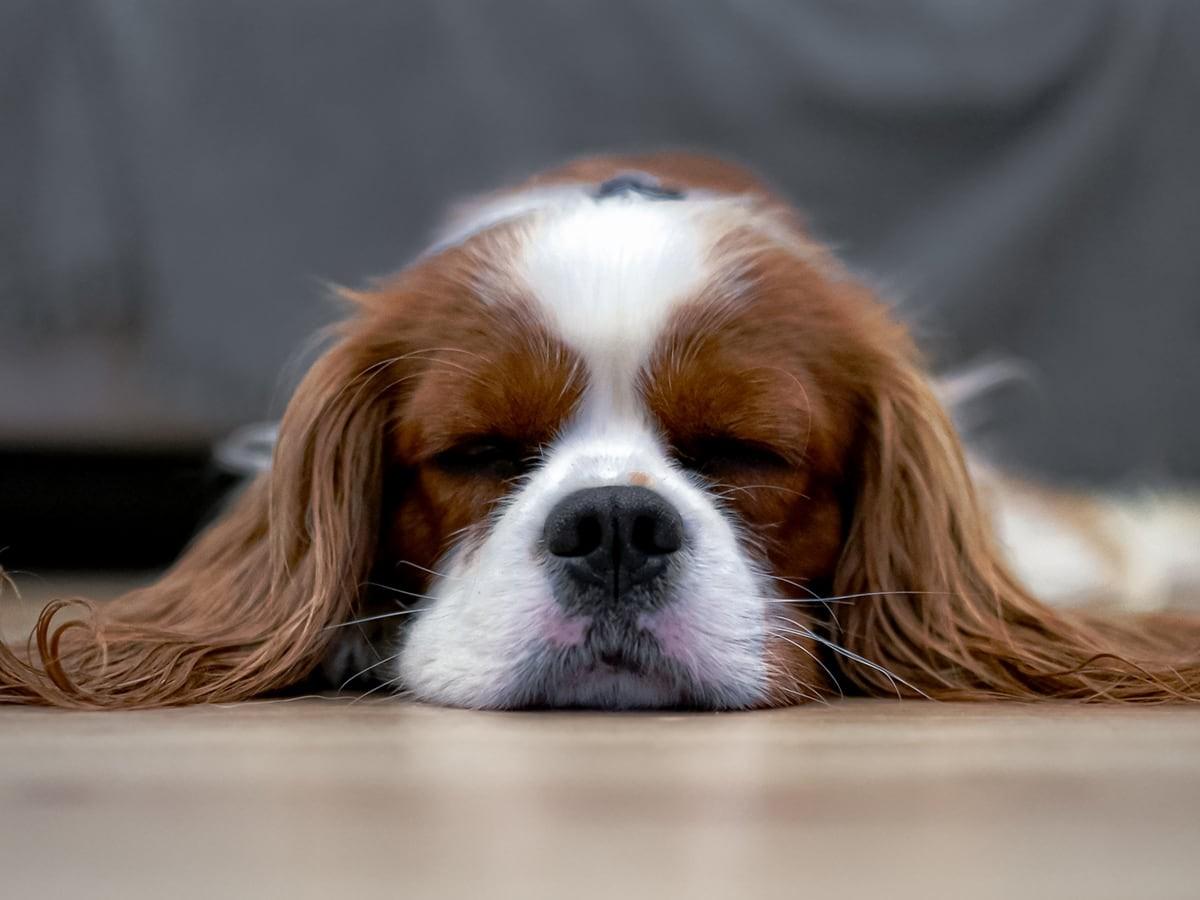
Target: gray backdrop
[(178, 179)]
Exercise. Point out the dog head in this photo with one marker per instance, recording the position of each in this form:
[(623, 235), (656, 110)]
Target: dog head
[(636, 427)]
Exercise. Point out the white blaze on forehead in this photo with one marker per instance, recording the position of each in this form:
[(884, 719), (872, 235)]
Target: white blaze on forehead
[(608, 275)]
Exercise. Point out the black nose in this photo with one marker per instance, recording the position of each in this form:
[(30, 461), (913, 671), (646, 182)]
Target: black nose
[(615, 537)]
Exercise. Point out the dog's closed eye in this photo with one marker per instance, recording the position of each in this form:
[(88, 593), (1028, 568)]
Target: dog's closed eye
[(487, 456), (720, 455)]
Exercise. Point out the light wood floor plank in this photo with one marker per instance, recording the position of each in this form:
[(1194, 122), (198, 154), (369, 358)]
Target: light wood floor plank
[(327, 797)]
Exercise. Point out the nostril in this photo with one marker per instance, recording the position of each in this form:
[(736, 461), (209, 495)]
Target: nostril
[(642, 534), (589, 536), (572, 531), (656, 533)]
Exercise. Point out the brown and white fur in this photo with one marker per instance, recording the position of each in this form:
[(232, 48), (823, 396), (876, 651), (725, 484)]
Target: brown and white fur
[(826, 536)]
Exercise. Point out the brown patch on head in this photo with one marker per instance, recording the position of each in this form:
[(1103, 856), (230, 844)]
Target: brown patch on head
[(477, 385), (640, 479), (488, 386), (759, 391)]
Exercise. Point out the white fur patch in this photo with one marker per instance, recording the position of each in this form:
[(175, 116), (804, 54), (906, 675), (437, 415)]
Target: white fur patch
[(608, 274), (1134, 551), (1055, 560)]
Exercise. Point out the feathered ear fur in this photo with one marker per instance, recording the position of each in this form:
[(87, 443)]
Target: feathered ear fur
[(952, 622), (245, 610)]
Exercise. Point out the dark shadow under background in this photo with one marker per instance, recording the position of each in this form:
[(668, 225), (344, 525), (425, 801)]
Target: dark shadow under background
[(179, 179)]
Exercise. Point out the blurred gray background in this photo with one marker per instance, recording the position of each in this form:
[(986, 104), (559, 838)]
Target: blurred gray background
[(179, 179)]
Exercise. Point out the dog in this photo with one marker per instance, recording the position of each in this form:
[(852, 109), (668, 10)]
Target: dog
[(625, 436)]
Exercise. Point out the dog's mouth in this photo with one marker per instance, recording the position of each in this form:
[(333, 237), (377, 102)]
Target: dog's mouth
[(618, 665), (617, 644), (612, 661)]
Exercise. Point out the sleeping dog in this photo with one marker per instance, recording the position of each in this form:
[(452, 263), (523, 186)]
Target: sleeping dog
[(625, 436)]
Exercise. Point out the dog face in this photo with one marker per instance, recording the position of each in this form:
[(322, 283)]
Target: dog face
[(617, 473)]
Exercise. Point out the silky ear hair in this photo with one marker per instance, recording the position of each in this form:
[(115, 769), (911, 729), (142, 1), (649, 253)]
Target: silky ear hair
[(958, 625), (245, 610)]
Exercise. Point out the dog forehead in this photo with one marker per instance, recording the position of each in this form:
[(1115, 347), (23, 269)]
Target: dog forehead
[(608, 276)]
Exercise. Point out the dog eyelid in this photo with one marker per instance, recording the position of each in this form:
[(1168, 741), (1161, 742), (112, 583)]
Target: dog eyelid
[(723, 452), (486, 454)]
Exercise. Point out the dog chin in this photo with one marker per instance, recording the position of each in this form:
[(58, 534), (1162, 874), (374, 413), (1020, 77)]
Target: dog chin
[(617, 666), (605, 687)]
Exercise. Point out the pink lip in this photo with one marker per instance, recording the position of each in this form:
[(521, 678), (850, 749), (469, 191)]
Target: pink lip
[(562, 630), (671, 631)]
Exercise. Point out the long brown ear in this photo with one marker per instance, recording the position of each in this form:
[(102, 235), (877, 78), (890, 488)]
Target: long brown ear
[(944, 616), (245, 610)]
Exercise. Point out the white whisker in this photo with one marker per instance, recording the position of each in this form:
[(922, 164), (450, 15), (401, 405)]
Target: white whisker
[(385, 684), (895, 679), (367, 669), (434, 572), (824, 668), (396, 590), (827, 602), (801, 601), (402, 612), (890, 594), (795, 691)]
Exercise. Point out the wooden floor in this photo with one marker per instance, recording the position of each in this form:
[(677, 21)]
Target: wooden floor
[(321, 797), (329, 798)]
